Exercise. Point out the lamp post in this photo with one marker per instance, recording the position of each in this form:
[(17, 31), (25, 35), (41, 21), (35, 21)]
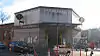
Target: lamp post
[(81, 20)]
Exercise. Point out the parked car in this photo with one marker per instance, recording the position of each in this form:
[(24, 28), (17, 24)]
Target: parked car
[(2, 45), (20, 47)]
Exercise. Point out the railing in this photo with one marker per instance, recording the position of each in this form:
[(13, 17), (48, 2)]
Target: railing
[(77, 37)]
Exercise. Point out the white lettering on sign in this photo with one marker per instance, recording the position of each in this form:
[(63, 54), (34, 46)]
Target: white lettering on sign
[(55, 11)]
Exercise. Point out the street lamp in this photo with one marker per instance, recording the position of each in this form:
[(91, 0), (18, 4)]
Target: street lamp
[(81, 20)]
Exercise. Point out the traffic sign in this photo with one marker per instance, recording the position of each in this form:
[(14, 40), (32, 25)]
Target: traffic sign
[(81, 19)]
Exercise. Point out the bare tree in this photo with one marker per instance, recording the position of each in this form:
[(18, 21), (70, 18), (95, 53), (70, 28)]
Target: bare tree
[(3, 16)]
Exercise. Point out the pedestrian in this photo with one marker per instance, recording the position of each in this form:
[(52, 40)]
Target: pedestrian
[(91, 53), (68, 53), (92, 44)]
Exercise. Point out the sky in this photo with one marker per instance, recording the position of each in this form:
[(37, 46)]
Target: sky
[(89, 9)]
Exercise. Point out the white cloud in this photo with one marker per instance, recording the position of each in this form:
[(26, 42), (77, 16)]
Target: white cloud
[(91, 12), (20, 5), (26, 4), (1, 4), (89, 9), (17, 6)]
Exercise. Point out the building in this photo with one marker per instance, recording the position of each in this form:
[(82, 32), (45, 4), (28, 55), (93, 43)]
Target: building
[(44, 26), (6, 32)]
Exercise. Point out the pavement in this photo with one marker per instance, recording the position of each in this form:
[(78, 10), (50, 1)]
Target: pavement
[(83, 53), (5, 52)]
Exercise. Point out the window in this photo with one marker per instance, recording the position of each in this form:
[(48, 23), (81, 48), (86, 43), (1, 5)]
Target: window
[(29, 39), (53, 15), (5, 35)]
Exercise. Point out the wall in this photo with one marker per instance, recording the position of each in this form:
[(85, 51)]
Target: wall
[(45, 15), (26, 34), (52, 35), (30, 17), (39, 15), (68, 35), (55, 15), (6, 32), (42, 41)]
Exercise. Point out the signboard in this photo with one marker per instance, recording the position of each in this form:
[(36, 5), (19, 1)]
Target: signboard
[(81, 19), (56, 15), (19, 16)]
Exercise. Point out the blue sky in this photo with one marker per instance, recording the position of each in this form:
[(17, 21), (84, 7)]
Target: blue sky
[(4, 3)]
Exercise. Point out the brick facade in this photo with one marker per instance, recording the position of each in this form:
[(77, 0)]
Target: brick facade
[(6, 32)]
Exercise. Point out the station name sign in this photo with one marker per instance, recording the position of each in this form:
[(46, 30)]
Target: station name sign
[(54, 11)]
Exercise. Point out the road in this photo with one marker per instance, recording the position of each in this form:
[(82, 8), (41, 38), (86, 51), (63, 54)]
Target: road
[(5, 52)]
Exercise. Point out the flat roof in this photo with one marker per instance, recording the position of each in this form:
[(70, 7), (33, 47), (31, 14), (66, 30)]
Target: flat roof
[(7, 24), (44, 7), (50, 23)]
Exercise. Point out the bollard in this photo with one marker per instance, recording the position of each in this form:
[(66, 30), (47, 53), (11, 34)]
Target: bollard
[(48, 52), (72, 51), (86, 50), (80, 51), (86, 53), (35, 54)]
